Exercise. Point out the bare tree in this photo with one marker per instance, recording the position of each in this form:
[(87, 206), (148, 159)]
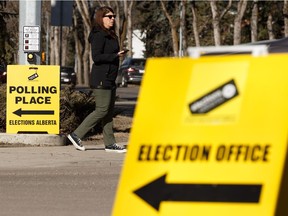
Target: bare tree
[(173, 26), (183, 28), (195, 24), (241, 7), (128, 12), (254, 21), (117, 10), (217, 18), (54, 46), (55, 41), (122, 27), (270, 27), (64, 44), (83, 8), (216, 23), (285, 14), (78, 50)]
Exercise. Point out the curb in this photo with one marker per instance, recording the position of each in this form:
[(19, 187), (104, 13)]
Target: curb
[(33, 139)]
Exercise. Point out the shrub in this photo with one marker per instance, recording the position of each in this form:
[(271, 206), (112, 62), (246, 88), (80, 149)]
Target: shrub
[(74, 107)]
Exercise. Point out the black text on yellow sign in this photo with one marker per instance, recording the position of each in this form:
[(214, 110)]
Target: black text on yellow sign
[(207, 152), (33, 99), (23, 94), (199, 192), (210, 140)]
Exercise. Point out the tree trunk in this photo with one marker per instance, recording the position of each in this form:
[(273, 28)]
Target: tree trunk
[(173, 27), (194, 25), (215, 22), (129, 27), (183, 27), (65, 32), (270, 27), (86, 59), (216, 18), (84, 12), (241, 7), (117, 27), (78, 51), (54, 52), (123, 30), (254, 21), (52, 46), (285, 14)]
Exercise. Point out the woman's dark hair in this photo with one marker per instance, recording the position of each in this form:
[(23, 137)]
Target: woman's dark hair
[(97, 20)]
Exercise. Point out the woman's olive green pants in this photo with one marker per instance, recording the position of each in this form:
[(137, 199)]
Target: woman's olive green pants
[(103, 113)]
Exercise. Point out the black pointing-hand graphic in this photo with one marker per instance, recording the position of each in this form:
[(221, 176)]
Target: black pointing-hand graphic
[(21, 112), (158, 191)]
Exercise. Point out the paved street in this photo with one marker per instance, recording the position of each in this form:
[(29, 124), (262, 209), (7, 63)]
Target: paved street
[(58, 181)]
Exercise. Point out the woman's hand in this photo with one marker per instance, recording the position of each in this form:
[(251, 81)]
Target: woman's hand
[(122, 53)]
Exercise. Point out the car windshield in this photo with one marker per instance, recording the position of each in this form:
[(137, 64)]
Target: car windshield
[(138, 62)]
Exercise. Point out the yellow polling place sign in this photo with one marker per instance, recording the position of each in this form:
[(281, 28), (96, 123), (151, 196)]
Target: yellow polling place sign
[(209, 137), (33, 94)]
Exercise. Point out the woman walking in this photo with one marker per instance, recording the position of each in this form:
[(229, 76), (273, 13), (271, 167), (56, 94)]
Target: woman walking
[(105, 55)]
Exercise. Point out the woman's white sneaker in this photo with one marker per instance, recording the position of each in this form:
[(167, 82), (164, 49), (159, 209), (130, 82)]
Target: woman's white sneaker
[(76, 141), (115, 148)]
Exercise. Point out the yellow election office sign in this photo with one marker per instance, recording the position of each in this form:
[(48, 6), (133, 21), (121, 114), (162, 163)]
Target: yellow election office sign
[(33, 93), (209, 137)]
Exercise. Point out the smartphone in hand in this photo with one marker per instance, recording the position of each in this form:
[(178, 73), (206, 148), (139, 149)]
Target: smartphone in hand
[(125, 51)]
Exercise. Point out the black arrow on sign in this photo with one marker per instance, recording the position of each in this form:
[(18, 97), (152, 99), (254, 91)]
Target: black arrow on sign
[(158, 191), (21, 112)]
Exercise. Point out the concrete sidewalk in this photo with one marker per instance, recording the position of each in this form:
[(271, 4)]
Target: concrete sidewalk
[(57, 156), (58, 180), (19, 140)]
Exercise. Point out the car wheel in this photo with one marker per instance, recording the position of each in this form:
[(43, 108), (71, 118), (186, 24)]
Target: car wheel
[(123, 82)]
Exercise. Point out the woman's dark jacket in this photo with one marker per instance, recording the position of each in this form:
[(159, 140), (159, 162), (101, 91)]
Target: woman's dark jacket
[(104, 50)]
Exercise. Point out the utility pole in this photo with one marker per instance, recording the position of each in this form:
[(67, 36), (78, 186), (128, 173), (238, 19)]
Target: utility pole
[(29, 32)]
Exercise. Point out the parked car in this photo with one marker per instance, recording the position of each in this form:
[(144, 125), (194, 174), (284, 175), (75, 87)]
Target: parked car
[(67, 75), (3, 74), (131, 71)]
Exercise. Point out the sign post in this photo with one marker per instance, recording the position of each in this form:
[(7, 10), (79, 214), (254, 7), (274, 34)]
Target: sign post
[(33, 94), (209, 140)]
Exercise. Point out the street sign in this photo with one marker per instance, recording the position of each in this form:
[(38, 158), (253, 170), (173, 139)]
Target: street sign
[(33, 94), (31, 38), (209, 137)]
